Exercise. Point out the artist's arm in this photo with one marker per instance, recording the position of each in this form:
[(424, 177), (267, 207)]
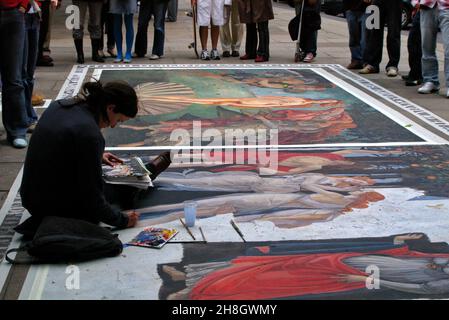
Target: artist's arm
[(90, 182)]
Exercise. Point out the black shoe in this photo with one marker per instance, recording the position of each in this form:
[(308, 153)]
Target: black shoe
[(226, 54), (235, 54), (159, 165), (95, 47), (413, 83), (79, 50), (42, 62)]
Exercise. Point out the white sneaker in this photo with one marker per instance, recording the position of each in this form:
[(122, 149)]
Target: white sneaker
[(214, 55), (428, 87), (205, 55), (154, 57), (392, 71)]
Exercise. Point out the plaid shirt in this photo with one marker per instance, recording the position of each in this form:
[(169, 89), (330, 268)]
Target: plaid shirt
[(442, 4)]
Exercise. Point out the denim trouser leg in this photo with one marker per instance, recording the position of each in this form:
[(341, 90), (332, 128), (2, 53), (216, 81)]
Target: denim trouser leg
[(429, 31), (159, 11), (142, 27), (414, 49), (30, 53), (444, 26), (355, 34), (12, 41)]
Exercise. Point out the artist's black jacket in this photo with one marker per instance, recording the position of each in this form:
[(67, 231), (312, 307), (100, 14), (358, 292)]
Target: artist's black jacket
[(62, 174)]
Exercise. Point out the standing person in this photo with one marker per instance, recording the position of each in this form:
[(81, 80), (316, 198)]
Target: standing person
[(434, 15), (107, 26), (123, 10), (172, 11), (356, 18), (12, 42), (256, 14), (95, 7), (390, 14), (210, 12), (310, 26), (157, 9), (231, 33), (414, 47)]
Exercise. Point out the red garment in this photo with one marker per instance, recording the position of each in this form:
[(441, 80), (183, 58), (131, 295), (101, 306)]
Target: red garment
[(6, 4), (270, 277)]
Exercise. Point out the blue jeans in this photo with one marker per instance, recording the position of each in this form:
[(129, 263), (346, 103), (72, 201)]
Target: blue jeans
[(12, 41), (357, 33), (148, 8), (30, 54), (431, 19)]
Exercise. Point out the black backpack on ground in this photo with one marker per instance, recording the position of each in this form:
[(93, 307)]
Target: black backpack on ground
[(61, 240)]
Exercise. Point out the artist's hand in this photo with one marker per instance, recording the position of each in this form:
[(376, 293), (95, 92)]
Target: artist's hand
[(133, 217), (111, 160)]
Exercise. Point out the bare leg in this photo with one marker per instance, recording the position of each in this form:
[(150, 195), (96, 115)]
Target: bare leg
[(215, 34), (203, 36)]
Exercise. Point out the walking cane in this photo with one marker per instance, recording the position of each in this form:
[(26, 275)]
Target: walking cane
[(299, 54)]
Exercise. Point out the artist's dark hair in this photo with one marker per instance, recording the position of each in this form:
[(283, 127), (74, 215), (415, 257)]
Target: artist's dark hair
[(118, 93)]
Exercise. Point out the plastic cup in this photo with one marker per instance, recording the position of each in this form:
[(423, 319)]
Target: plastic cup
[(190, 213)]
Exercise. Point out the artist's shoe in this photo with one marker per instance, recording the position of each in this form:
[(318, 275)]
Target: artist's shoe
[(235, 54), (159, 165), (205, 55), (355, 65), (20, 143), (368, 69), (226, 54), (247, 57), (412, 82), (429, 87), (392, 72), (309, 58), (261, 59), (214, 55), (32, 127), (155, 57)]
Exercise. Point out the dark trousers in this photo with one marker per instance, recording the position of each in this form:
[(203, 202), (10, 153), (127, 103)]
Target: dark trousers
[(107, 26), (157, 9), (257, 39), (415, 49), (30, 53), (172, 10), (44, 26), (308, 41), (12, 41), (390, 14)]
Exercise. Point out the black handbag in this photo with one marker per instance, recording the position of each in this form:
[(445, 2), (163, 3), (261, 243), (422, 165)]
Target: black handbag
[(61, 240)]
